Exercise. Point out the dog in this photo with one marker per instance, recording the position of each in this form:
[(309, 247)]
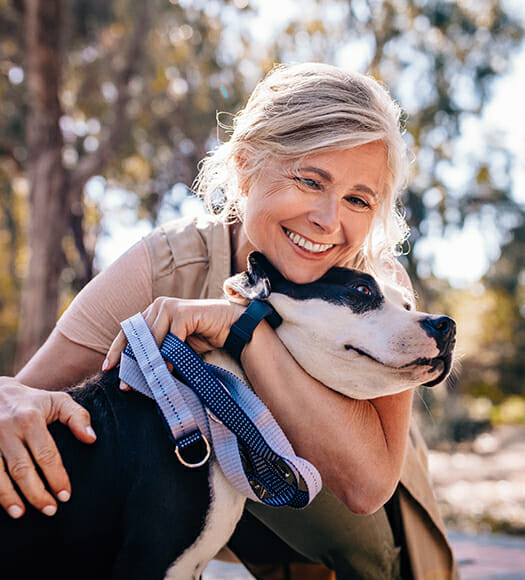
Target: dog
[(136, 512)]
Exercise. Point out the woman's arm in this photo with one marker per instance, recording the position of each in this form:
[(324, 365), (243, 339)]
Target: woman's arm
[(358, 446), (77, 363)]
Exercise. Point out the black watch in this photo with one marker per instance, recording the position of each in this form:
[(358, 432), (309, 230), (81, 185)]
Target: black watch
[(241, 331)]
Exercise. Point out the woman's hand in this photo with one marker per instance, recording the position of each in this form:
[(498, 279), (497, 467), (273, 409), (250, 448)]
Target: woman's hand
[(203, 324), (25, 439)]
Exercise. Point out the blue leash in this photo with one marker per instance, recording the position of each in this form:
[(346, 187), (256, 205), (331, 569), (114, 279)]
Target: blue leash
[(253, 452)]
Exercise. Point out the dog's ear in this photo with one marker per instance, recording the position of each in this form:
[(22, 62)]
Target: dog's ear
[(259, 263), (252, 284)]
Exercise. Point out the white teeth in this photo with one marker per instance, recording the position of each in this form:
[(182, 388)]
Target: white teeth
[(307, 244)]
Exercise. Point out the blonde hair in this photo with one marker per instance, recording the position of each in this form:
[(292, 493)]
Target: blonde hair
[(307, 108)]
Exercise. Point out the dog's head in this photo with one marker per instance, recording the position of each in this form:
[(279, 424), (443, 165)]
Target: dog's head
[(354, 336)]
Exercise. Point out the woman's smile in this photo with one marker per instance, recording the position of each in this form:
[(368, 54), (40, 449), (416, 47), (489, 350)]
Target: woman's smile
[(307, 245)]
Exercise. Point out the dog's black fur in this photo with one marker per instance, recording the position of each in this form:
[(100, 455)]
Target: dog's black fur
[(134, 508)]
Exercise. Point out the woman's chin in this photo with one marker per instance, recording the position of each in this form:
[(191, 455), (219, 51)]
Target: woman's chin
[(302, 275)]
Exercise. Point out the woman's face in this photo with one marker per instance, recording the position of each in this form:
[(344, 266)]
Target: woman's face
[(307, 217)]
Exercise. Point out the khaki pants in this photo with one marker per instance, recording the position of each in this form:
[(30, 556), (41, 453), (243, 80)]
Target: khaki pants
[(355, 547)]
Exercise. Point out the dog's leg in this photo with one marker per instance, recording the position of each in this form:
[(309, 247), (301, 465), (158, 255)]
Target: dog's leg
[(224, 512)]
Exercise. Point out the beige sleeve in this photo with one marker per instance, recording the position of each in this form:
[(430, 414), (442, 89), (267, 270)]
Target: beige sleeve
[(123, 289)]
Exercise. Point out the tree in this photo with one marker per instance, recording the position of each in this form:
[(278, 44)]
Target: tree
[(56, 192), (79, 103)]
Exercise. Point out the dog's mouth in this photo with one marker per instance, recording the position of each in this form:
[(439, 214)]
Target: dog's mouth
[(441, 364)]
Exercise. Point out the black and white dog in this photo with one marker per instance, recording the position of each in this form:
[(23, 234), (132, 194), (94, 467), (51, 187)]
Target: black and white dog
[(136, 512)]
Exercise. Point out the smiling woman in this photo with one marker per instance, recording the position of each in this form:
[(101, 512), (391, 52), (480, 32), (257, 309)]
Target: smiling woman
[(297, 125), (310, 177)]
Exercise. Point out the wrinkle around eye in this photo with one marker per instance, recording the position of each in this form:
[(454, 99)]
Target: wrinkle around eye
[(308, 182)]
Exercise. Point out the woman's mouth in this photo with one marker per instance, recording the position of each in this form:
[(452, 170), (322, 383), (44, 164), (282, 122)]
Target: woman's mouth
[(305, 244)]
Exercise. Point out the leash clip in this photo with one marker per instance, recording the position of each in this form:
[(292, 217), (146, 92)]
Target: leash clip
[(190, 442)]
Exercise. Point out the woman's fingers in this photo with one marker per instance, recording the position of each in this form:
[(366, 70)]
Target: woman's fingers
[(22, 471), (169, 318), (157, 317), (25, 442), (70, 413), (9, 499), (114, 352), (46, 455), (205, 323)]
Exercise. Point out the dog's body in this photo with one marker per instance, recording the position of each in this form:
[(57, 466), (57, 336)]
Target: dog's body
[(136, 512)]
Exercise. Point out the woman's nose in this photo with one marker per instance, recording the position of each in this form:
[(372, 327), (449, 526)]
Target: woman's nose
[(325, 215)]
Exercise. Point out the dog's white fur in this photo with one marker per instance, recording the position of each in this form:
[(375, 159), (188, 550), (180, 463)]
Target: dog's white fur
[(391, 335)]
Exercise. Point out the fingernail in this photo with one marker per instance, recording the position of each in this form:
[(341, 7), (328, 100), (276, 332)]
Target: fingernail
[(49, 510), (15, 511), (105, 364), (90, 432), (63, 495)]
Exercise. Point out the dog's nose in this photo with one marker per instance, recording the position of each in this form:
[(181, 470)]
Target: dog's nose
[(441, 328)]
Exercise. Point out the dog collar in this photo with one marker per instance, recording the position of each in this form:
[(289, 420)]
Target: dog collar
[(241, 331)]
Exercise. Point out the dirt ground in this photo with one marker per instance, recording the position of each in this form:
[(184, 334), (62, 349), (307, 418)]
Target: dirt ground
[(481, 485)]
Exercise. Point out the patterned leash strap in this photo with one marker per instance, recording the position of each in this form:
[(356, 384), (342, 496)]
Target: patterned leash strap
[(204, 403)]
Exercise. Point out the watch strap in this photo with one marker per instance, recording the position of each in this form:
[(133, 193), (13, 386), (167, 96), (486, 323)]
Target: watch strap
[(241, 331)]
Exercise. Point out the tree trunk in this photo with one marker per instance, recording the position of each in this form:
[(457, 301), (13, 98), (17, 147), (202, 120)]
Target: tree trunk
[(47, 177), (54, 191)]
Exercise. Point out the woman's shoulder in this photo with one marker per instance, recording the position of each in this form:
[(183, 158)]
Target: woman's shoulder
[(187, 249), (202, 225), (188, 239)]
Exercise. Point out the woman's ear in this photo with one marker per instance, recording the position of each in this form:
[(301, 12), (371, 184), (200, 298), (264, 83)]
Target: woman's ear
[(242, 166)]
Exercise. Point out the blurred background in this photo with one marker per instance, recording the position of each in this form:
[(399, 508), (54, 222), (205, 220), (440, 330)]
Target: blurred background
[(108, 105)]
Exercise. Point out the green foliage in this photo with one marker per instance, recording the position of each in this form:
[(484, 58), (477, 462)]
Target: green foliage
[(510, 411)]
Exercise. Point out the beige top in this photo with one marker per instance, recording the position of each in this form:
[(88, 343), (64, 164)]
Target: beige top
[(174, 260), (191, 258)]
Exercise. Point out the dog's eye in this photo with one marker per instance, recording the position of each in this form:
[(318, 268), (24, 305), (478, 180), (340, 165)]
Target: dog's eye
[(363, 289)]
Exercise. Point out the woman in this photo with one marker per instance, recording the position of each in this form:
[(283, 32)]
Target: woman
[(310, 177)]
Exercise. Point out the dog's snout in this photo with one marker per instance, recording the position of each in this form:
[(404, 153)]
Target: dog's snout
[(441, 328)]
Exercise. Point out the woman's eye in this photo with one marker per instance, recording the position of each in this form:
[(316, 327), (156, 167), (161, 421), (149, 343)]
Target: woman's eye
[(358, 201), (308, 182)]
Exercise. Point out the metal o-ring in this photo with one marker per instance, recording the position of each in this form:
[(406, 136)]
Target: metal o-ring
[(201, 462)]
